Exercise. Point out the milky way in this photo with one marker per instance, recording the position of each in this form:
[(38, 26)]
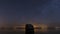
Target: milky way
[(30, 10)]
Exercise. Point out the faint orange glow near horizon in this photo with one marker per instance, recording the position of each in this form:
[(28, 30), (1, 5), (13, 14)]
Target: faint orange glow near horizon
[(36, 27), (44, 27)]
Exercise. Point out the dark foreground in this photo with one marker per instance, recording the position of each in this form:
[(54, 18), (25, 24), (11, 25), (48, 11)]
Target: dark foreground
[(51, 32), (19, 32)]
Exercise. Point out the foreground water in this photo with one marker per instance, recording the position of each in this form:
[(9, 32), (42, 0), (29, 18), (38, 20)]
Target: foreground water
[(51, 32), (20, 32)]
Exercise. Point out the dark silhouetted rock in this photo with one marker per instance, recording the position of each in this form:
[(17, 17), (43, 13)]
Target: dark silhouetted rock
[(29, 29)]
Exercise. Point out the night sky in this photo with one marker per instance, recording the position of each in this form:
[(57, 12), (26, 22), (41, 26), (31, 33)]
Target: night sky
[(29, 11)]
